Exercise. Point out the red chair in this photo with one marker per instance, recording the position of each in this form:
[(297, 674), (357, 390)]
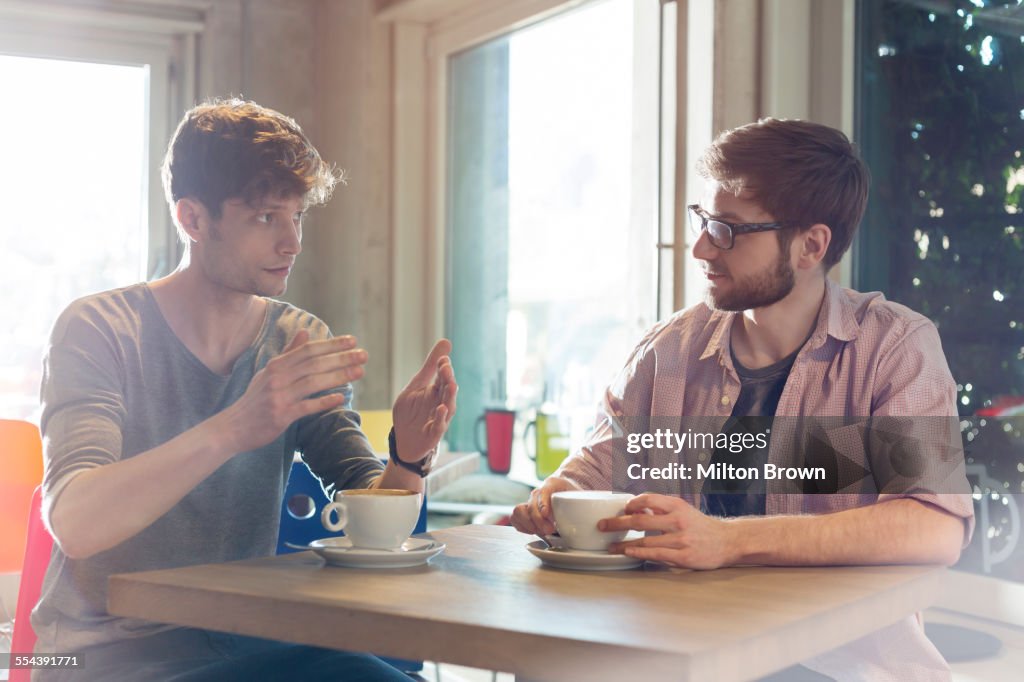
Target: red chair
[(37, 557), (21, 470)]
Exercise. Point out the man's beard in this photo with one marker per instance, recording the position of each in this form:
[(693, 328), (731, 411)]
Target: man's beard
[(764, 288)]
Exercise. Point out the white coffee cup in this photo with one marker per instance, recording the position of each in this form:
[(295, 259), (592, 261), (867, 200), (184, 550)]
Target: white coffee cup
[(577, 513), (374, 519)]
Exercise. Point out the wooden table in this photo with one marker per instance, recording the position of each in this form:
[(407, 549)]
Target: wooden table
[(486, 602)]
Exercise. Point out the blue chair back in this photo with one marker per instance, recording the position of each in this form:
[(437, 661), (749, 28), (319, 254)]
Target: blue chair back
[(304, 499), (300, 510)]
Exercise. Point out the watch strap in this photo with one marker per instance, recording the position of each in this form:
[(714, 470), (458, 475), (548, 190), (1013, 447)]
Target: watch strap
[(421, 468)]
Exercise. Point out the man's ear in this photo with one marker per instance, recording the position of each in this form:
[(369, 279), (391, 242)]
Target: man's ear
[(812, 245), (192, 217)]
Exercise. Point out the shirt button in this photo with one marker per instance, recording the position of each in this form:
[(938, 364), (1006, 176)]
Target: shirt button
[(703, 456), (725, 400)]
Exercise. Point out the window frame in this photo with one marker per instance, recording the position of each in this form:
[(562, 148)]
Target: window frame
[(797, 60), (424, 37)]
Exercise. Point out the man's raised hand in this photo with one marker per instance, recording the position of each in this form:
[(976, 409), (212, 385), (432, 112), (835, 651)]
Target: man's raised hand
[(283, 391), (425, 407)]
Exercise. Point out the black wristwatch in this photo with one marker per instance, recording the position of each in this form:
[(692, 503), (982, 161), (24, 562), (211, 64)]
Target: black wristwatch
[(420, 468)]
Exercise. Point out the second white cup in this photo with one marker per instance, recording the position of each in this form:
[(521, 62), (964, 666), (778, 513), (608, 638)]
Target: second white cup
[(578, 511)]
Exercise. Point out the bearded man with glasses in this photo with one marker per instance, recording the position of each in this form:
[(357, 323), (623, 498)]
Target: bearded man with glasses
[(832, 379)]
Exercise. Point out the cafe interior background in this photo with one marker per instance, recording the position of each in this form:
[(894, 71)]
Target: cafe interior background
[(516, 172)]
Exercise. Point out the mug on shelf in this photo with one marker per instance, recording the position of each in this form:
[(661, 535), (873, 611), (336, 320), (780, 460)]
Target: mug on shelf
[(496, 445), (550, 443)]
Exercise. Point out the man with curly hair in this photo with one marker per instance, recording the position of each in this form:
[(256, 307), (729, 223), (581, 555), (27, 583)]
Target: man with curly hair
[(172, 410)]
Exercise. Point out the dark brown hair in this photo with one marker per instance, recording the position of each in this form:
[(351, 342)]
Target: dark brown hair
[(234, 149), (801, 173)]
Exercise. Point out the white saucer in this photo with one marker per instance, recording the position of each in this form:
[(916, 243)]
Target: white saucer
[(580, 560), (338, 551)]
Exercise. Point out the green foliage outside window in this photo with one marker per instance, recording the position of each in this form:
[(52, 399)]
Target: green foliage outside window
[(943, 124)]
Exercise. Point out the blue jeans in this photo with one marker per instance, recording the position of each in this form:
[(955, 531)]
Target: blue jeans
[(190, 655)]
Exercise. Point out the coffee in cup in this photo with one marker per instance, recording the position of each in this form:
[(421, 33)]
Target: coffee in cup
[(374, 518), (578, 511)]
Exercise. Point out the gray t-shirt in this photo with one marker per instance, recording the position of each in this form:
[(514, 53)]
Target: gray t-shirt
[(117, 382)]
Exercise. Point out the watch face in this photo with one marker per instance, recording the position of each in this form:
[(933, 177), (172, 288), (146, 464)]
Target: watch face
[(427, 463)]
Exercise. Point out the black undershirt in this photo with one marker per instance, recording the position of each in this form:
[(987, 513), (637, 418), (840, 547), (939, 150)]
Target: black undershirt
[(760, 390)]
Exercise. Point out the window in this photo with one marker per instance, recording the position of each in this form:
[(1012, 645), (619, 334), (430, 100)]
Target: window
[(552, 211), (91, 105), (942, 126), (76, 178)]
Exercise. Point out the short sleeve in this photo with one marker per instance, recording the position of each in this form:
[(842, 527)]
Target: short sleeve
[(918, 390)]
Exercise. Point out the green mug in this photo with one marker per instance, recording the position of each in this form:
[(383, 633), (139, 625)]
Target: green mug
[(550, 443)]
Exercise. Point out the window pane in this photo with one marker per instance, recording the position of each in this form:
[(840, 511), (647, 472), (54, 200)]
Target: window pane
[(74, 174), (942, 125), (552, 214)]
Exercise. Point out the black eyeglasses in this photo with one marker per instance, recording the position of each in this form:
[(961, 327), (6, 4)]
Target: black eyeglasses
[(723, 234)]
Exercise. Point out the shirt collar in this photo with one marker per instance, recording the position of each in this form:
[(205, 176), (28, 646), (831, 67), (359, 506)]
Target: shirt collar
[(719, 342), (836, 318)]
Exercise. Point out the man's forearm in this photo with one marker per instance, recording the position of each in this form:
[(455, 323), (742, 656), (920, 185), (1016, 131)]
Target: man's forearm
[(901, 531), (102, 507), (396, 478)]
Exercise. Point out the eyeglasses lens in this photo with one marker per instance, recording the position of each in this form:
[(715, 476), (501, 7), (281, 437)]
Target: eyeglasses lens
[(720, 234)]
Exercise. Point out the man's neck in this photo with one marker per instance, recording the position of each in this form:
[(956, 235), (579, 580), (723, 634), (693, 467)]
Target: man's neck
[(763, 336), (216, 324)]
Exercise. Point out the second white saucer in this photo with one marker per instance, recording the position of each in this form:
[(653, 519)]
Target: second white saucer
[(579, 560)]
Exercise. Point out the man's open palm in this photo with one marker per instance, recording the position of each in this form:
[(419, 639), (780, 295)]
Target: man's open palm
[(426, 405)]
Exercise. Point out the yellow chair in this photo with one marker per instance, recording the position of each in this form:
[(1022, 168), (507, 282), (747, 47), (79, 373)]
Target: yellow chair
[(376, 424), (21, 470)]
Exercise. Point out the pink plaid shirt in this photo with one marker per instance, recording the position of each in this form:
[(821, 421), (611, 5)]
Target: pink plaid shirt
[(866, 357)]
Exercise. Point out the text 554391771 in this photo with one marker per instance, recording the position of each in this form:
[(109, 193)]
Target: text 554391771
[(44, 661)]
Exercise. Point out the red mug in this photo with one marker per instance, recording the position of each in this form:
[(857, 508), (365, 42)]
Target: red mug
[(498, 424)]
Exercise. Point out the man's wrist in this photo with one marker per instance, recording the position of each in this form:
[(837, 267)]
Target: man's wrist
[(738, 541), (420, 467), (220, 436)]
